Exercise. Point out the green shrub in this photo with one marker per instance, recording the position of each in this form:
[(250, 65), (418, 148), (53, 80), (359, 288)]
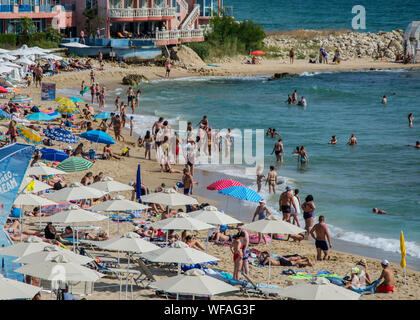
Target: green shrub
[(313, 55), (7, 40), (230, 38), (300, 56)]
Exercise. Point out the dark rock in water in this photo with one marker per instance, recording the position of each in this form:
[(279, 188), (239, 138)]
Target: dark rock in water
[(134, 79), (278, 76)]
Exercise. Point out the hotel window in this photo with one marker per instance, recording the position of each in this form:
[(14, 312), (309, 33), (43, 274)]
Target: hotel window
[(115, 3), (142, 3), (159, 3), (128, 3), (91, 4), (175, 5)]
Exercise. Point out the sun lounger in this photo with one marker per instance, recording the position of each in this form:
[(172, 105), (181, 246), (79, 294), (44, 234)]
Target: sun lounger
[(258, 290), (145, 277)]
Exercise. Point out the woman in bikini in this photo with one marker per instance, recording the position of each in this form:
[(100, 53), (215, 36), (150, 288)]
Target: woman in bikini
[(308, 208), (237, 251), (193, 243), (303, 156), (148, 141)]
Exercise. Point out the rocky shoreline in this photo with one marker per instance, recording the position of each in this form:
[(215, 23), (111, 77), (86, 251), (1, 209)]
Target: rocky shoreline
[(306, 44)]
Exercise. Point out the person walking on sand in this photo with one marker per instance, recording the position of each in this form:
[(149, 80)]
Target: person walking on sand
[(271, 180), (308, 208), (321, 235), (292, 55), (188, 182), (295, 210), (117, 128), (92, 76), (262, 212), (410, 120), (388, 284), (278, 150), (237, 252), (168, 67), (352, 140), (38, 75), (286, 203), (245, 249), (131, 125)]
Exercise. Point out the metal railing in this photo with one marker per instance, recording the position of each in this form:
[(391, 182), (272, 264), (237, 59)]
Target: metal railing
[(141, 12), (45, 8), (179, 34), (184, 4), (194, 14)]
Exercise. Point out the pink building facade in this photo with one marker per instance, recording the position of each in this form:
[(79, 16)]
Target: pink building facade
[(164, 21)]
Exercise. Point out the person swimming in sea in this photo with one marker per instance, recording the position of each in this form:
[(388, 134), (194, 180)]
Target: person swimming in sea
[(303, 156), (378, 211), (268, 132), (416, 146), (289, 99), (302, 102), (384, 101), (274, 133), (410, 120), (352, 140), (333, 140)]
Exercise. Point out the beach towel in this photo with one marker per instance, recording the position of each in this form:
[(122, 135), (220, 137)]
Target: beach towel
[(223, 243), (280, 237), (304, 275)]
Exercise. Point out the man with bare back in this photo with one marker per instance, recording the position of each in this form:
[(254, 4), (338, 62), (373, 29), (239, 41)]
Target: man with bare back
[(286, 202), (321, 237)]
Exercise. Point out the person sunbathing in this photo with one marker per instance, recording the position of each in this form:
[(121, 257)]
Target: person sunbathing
[(354, 282), (57, 182), (284, 261), (172, 236), (193, 243), (13, 230), (297, 237), (220, 236), (146, 231)]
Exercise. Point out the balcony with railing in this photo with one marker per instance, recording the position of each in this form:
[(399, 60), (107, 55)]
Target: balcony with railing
[(26, 8), (45, 8), (184, 35), (6, 8), (131, 13)]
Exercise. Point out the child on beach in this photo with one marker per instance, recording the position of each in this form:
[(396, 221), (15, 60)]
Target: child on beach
[(260, 176), (131, 125)]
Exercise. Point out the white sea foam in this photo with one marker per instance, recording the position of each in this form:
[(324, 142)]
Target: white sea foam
[(391, 245)]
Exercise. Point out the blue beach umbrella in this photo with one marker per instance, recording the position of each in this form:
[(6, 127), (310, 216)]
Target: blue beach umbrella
[(21, 99), (53, 154), (60, 135), (242, 193), (39, 116), (138, 184), (55, 115), (102, 115), (98, 137), (4, 114)]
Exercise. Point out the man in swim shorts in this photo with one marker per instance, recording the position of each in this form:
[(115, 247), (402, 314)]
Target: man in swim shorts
[(286, 202), (278, 150), (321, 235), (388, 284)]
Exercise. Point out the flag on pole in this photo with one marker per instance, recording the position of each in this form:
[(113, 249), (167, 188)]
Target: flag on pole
[(402, 247)]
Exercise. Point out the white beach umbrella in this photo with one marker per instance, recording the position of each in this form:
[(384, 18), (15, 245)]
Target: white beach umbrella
[(130, 243), (169, 197), (60, 269), (8, 56), (211, 215), (272, 225), (118, 203), (38, 186), (76, 191), (41, 169), (179, 252), (50, 252), (29, 199), (181, 222), (195, 282), (12, 289), (318, 289), (10, 64), (74, 214), (108, 184), (5, 69), (30, 245), (2, 51), (52, 56), (25, 61)]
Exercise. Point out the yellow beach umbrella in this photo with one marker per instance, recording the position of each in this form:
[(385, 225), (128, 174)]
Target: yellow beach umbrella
[(62, 99), (28, 134), (68, 104), (402, 247)]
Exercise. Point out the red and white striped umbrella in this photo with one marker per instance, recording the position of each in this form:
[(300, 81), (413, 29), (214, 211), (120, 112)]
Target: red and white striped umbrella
[(223, 184)]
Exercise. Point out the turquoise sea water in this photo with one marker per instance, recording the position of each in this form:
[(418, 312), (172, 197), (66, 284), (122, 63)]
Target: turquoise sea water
[(346, 182), (323, 14)]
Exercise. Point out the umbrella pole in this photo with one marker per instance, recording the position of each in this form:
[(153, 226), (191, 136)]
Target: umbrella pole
[(126, 279), (20, 224), (40, 215), (269, 260)]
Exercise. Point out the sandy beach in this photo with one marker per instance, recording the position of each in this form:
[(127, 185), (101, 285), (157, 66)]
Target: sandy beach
[(124, 170)]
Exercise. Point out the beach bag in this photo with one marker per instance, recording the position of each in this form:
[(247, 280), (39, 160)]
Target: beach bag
[(92, 154), (253, 238)]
